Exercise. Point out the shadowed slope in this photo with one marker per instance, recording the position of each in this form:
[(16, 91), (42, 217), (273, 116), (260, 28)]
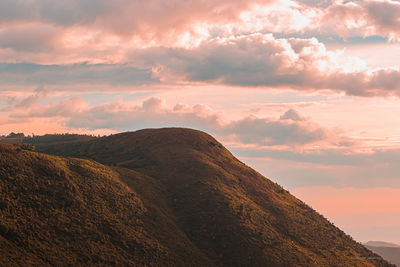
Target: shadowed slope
[(235, 216), (57, 211)]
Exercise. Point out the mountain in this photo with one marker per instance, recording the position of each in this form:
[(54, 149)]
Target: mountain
[(156, 197), (381, 244), (56, 211), (389, 251)]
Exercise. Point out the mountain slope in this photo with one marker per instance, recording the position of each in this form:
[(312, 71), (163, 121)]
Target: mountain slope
[(389, 251), (56, 211), (229, 211)]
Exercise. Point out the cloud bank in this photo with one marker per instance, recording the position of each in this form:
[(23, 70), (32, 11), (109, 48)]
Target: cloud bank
[(259, 43), (291, 129), (257, 60), (262, 60)]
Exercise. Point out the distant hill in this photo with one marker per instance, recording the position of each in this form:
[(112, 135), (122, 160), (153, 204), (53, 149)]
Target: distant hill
[(48, 139), (381, 244), (12, 138), (389, 251), (157, 197)]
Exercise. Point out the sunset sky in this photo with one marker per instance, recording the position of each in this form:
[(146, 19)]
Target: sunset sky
[(306, 92)]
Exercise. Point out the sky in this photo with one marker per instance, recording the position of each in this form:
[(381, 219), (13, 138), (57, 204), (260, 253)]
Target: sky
[(305, 91)]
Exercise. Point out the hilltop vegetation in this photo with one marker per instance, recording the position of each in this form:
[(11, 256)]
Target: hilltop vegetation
[(166, 197), (56, 139)]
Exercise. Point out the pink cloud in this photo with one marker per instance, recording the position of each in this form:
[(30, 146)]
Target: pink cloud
[(152, 18), (371, 17), (291, 129), (97, 32), (292, 114), (261, 60), (242, 57), (275, 132), (29, 37), (65, 107), (159, 19)]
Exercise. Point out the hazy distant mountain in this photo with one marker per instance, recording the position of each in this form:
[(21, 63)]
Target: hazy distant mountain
[(166, 197), (381, 244), (389, 251)]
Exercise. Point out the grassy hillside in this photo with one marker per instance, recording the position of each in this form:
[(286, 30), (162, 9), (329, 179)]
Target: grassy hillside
[(48, 139), (56, 211), (231, 213)]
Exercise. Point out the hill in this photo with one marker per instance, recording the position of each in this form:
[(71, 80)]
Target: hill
[(56, 211), (389, 251), (49, 139), (381, 244), (158, 197)]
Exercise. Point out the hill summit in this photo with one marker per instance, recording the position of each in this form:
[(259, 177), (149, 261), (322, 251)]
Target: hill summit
[(156, 197)]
